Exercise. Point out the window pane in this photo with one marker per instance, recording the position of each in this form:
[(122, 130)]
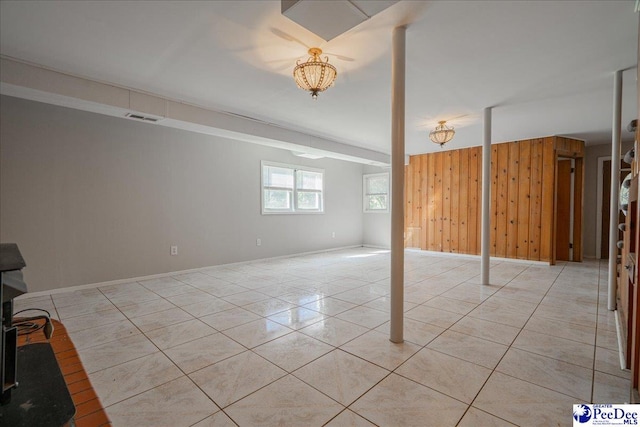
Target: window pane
[(289, 189), (309, 180), (274, 176), (308, 201), (377, 203), (378, 185), (277, 199)]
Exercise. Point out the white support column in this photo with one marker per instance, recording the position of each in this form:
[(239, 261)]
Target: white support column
[(615, 188), (397, 184), (486, 198)]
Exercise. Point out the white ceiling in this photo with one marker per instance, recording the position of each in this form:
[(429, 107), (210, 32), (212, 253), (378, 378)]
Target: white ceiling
[(545, 66)]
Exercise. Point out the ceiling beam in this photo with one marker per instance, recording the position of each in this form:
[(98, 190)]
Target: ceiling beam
[(36, 83)]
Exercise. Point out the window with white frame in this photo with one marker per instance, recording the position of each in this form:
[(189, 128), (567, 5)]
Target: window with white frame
[(375, 189), (291, 189)]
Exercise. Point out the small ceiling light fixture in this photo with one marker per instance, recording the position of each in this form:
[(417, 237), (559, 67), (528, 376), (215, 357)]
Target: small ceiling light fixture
[(442, 133), (314, 75)]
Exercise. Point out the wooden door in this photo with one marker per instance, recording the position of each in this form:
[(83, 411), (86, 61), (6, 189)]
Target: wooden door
[(563, 211)]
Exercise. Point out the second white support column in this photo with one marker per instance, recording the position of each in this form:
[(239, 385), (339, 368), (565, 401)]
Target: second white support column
[(397, 185)]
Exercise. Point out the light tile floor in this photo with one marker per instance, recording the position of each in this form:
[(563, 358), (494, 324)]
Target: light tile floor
[(303, 341)]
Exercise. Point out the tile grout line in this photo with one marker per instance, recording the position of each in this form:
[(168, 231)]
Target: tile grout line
[(510, 345), (369, 329)]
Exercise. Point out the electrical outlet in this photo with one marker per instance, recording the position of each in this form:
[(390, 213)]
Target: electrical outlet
[(258, 242), (333, 234), (174, 250)]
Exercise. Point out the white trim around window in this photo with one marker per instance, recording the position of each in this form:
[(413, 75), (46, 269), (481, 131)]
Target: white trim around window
[(375, 192), (291, 189)]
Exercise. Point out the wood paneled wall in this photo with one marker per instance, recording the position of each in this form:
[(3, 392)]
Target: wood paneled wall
[(443, 195)]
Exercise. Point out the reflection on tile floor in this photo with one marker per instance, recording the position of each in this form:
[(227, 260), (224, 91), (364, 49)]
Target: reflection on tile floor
[(303, 341)]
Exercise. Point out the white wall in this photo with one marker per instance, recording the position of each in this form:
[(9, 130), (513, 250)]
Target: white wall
[(91, 198)]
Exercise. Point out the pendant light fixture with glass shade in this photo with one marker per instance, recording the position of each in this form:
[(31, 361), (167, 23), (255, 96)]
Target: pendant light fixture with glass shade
[(442, 133), (314, 75)]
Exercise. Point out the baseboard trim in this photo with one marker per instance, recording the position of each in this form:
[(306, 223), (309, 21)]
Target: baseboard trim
[(384, 248), (170, 273), (193, 270), (622, 356), (476, 257)]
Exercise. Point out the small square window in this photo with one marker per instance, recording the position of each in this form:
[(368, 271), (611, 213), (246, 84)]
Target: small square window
[(376, 192)]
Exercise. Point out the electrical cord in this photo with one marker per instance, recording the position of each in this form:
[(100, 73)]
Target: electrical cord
[(27, 325)]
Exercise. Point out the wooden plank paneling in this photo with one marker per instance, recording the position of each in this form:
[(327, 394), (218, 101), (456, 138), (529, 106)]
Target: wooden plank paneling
[(417, 189), (494, 198), (513, 176), (444, 191), (535, 208), (567, 147), (502, 200), (577, 147), (474, 197), (446, 204), (417, 203), (463, 202), (433, 201), (524, 195), (412, 196), (454, 196), (548, 193), (562, 146), (439, 198), (424, 212), (408, 205)]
